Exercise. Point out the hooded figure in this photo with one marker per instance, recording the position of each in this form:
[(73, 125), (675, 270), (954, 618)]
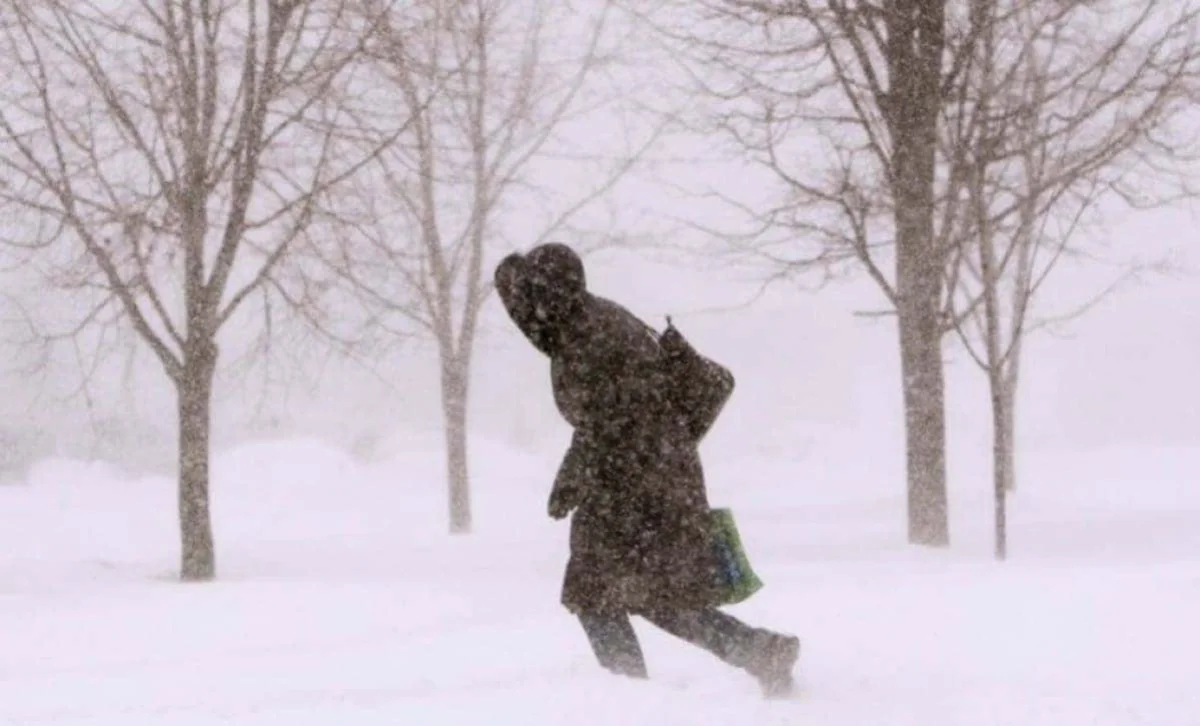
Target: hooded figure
[(640, 531), (641, 540)]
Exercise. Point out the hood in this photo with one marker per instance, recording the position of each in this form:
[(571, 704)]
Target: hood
[(545, 294)]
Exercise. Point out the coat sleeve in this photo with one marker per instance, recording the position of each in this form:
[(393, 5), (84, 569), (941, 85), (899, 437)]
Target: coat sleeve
[(698, 388), (596, 410), (575, 477)]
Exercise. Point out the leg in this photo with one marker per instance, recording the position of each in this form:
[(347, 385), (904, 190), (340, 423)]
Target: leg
[(615, 643), (721, 634), (766, 655)]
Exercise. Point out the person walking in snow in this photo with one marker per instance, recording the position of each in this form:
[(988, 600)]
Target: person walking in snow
[(631, 479)]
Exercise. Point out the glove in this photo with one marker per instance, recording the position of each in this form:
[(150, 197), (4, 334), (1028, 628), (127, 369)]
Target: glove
[(562, 501)]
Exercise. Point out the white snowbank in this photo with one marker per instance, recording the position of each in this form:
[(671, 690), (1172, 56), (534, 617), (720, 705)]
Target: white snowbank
[(341, 600)]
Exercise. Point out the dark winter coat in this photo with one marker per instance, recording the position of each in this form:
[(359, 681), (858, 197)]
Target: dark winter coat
[(640, 533)]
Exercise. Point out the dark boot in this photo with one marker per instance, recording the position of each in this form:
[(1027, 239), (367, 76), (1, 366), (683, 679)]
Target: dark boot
[(772, 665), (768, 656), (615, 643)]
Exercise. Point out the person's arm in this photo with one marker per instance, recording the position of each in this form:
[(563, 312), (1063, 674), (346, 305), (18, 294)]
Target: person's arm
[(697, 387), (576, 475), (589, 409)]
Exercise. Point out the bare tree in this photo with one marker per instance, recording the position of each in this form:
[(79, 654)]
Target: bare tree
[(170, 156), (495, 87), (840, 101), (1064, 106)]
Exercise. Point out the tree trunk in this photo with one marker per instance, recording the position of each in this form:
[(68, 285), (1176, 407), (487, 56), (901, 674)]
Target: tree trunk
[(997, 365), (925, 429), (1002, 454), (1012, 374), (454, 412), (919, 294), (915, 44), (194, 392), (1008, 401)]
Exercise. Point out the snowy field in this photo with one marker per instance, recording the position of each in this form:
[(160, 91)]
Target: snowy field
[(342, 601)]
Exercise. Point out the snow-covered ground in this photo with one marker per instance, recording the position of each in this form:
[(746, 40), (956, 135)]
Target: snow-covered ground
[(342, 601)]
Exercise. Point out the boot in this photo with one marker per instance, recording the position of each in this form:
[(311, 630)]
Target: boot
[(773, 665)]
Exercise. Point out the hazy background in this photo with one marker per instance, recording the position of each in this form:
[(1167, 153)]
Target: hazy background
[(807, 367)]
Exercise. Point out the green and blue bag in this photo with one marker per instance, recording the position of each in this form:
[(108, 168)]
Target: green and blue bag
[(734, 573)]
